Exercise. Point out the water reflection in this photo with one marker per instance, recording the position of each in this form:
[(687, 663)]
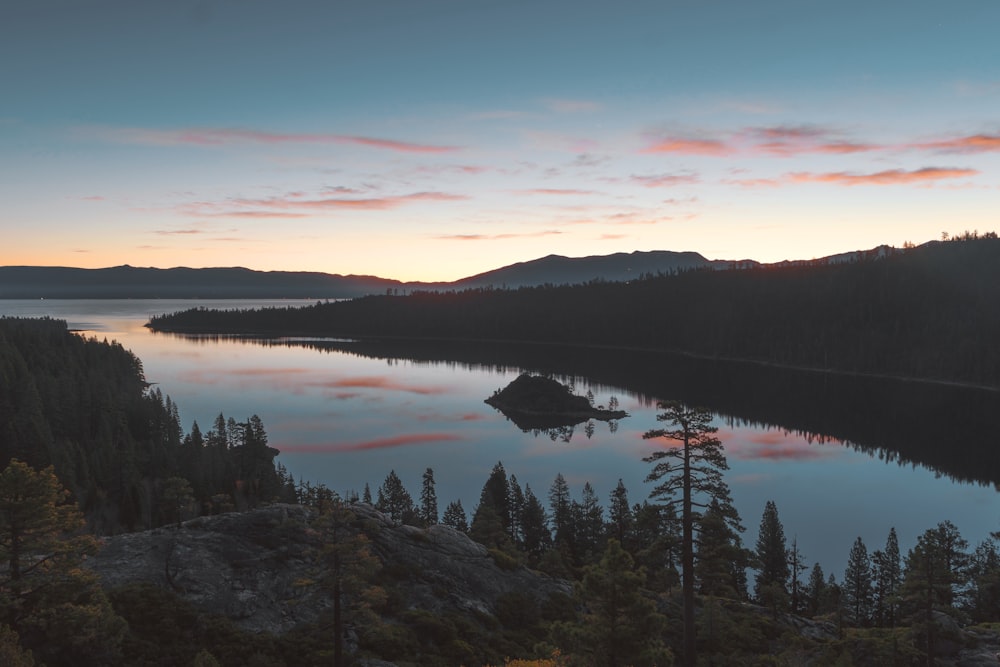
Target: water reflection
[(953, 430), (344, 413)]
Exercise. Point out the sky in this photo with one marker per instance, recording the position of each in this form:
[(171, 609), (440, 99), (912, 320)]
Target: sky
[(430, 140)]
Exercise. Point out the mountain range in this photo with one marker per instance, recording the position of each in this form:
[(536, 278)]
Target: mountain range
[(129, 282)]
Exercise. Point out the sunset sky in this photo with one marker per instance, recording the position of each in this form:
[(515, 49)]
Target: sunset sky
[(432, 140)]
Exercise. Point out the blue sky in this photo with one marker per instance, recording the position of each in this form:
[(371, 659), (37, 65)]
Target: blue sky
[(434, 140)]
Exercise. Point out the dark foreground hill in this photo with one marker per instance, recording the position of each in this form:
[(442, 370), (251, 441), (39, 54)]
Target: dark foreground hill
[(931, 312)]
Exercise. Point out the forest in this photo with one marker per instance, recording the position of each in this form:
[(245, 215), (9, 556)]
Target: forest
[(90, 449), (927, 312)]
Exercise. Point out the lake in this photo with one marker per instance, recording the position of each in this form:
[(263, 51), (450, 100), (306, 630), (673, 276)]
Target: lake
[(840, 457)]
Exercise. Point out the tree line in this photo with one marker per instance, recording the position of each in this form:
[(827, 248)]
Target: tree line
[(83, 406), (926, 312), (890, 605)]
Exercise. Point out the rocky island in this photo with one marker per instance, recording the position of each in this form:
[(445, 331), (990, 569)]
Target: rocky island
[(536, 402)]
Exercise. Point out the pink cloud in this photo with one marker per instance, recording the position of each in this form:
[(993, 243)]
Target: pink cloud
[(887, 177), (978, 143), (381, 443), (774, 446), (711, 147), (380, 382), (789, 140)]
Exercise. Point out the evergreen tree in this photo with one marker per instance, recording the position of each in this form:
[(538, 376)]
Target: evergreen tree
[(857, 588), (796, 565), (491, 522), (454, 516), (815, 590), (620, 624), (536, 538), (695, 471), (721, 560), (428, 499), (590, 523), (927, 588), (366, 495), (515, 500), (620, 514), (346, 568), (886, 578), (984, 578), (394, 500), (46, 596), (561, 514), (770, 588)]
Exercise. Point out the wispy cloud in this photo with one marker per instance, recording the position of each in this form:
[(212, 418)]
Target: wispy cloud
[(178, 232), (227, 136), (887, 177), (295, 206), (554, 191), (684, 146), (977, 143), (496, 237), (665, 180), (790, 140)]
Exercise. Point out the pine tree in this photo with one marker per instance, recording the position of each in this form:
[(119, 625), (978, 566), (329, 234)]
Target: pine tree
[(561, 513), (590, 525), (770, 588), (620, 625), (620, 514), (454, 516), (394, 500), (695, 471), (428, 499), (815, 590), (984, 578), (346, 568), (46, 596), (796, 566), (515, 500), (886, 579), (721, 559), (857, 588), (536, 538)]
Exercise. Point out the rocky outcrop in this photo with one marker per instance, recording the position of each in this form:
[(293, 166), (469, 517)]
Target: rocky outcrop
[(536, 402), (256, 567)]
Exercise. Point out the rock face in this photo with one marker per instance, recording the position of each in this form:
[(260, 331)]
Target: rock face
[(251, 566)]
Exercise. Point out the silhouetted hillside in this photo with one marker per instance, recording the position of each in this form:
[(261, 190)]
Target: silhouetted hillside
[(930, 312), (128, 282), (619, 267)]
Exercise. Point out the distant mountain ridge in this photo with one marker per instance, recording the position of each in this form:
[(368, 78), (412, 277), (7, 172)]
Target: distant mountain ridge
[(129, 282)]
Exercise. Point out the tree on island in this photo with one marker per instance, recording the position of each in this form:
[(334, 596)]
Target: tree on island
[(693, 470)]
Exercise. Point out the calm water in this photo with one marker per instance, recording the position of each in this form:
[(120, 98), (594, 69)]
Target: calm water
[(346, 419)]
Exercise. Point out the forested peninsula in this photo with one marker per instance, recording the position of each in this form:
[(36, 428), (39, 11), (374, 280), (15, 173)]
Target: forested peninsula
[(928, 312)]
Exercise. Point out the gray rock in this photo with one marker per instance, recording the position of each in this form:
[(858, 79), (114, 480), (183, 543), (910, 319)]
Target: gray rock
[(254, 567)]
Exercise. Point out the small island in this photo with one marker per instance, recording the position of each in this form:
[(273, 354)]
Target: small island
[(536, 402)]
